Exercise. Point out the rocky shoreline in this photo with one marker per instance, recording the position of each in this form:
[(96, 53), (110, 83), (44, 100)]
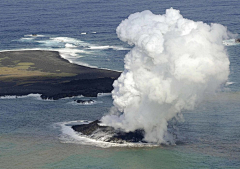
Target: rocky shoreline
[(46, 73)]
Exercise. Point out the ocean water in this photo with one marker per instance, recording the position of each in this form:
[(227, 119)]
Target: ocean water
[(83, 31)]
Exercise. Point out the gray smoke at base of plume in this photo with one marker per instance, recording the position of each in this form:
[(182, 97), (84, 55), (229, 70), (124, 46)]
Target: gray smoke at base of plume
[(173, 63)]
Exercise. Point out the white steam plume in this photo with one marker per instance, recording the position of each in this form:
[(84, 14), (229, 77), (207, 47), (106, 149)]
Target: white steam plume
[(174, 61)]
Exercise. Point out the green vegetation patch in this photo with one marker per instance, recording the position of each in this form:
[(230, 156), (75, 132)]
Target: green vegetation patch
[(26, 69)]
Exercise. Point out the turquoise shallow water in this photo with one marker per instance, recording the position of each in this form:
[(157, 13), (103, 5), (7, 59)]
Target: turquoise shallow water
[(209, 137), (37, 153), (29, 137)]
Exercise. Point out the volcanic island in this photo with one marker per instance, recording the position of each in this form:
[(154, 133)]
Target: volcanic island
[(46, 73)]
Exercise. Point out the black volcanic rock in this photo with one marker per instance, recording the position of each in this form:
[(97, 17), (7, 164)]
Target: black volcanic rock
[(109, 134), (135, 136), (90, 101), (88, 129), (237, 40)]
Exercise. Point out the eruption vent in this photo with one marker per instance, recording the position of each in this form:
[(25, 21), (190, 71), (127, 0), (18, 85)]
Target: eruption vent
[(173, 63)]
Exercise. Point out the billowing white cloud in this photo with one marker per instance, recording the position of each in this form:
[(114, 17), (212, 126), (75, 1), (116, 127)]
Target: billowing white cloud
[(174, 61)]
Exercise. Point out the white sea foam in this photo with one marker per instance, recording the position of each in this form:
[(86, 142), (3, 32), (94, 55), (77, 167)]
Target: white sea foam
[(50, 43), (230, 42), (62, 42), (68, 45), (77, 97), (99, 47), (103, 94), (83, 33), (70, 41), (32, 96), (35, 96), (15, 50), (107, 47), (229, 83), (10, 97), (69, 48), (34, 35), (70, 54), (66, 53)]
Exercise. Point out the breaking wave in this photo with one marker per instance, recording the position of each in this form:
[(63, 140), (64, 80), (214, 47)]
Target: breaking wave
[(69, 48), (36, 96)]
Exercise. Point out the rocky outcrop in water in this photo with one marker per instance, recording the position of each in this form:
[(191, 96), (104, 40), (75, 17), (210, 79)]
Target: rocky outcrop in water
[(109, 134), (90, 101)]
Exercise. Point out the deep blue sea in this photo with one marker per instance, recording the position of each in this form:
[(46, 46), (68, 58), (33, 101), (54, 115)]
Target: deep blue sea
[(84, 32)]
